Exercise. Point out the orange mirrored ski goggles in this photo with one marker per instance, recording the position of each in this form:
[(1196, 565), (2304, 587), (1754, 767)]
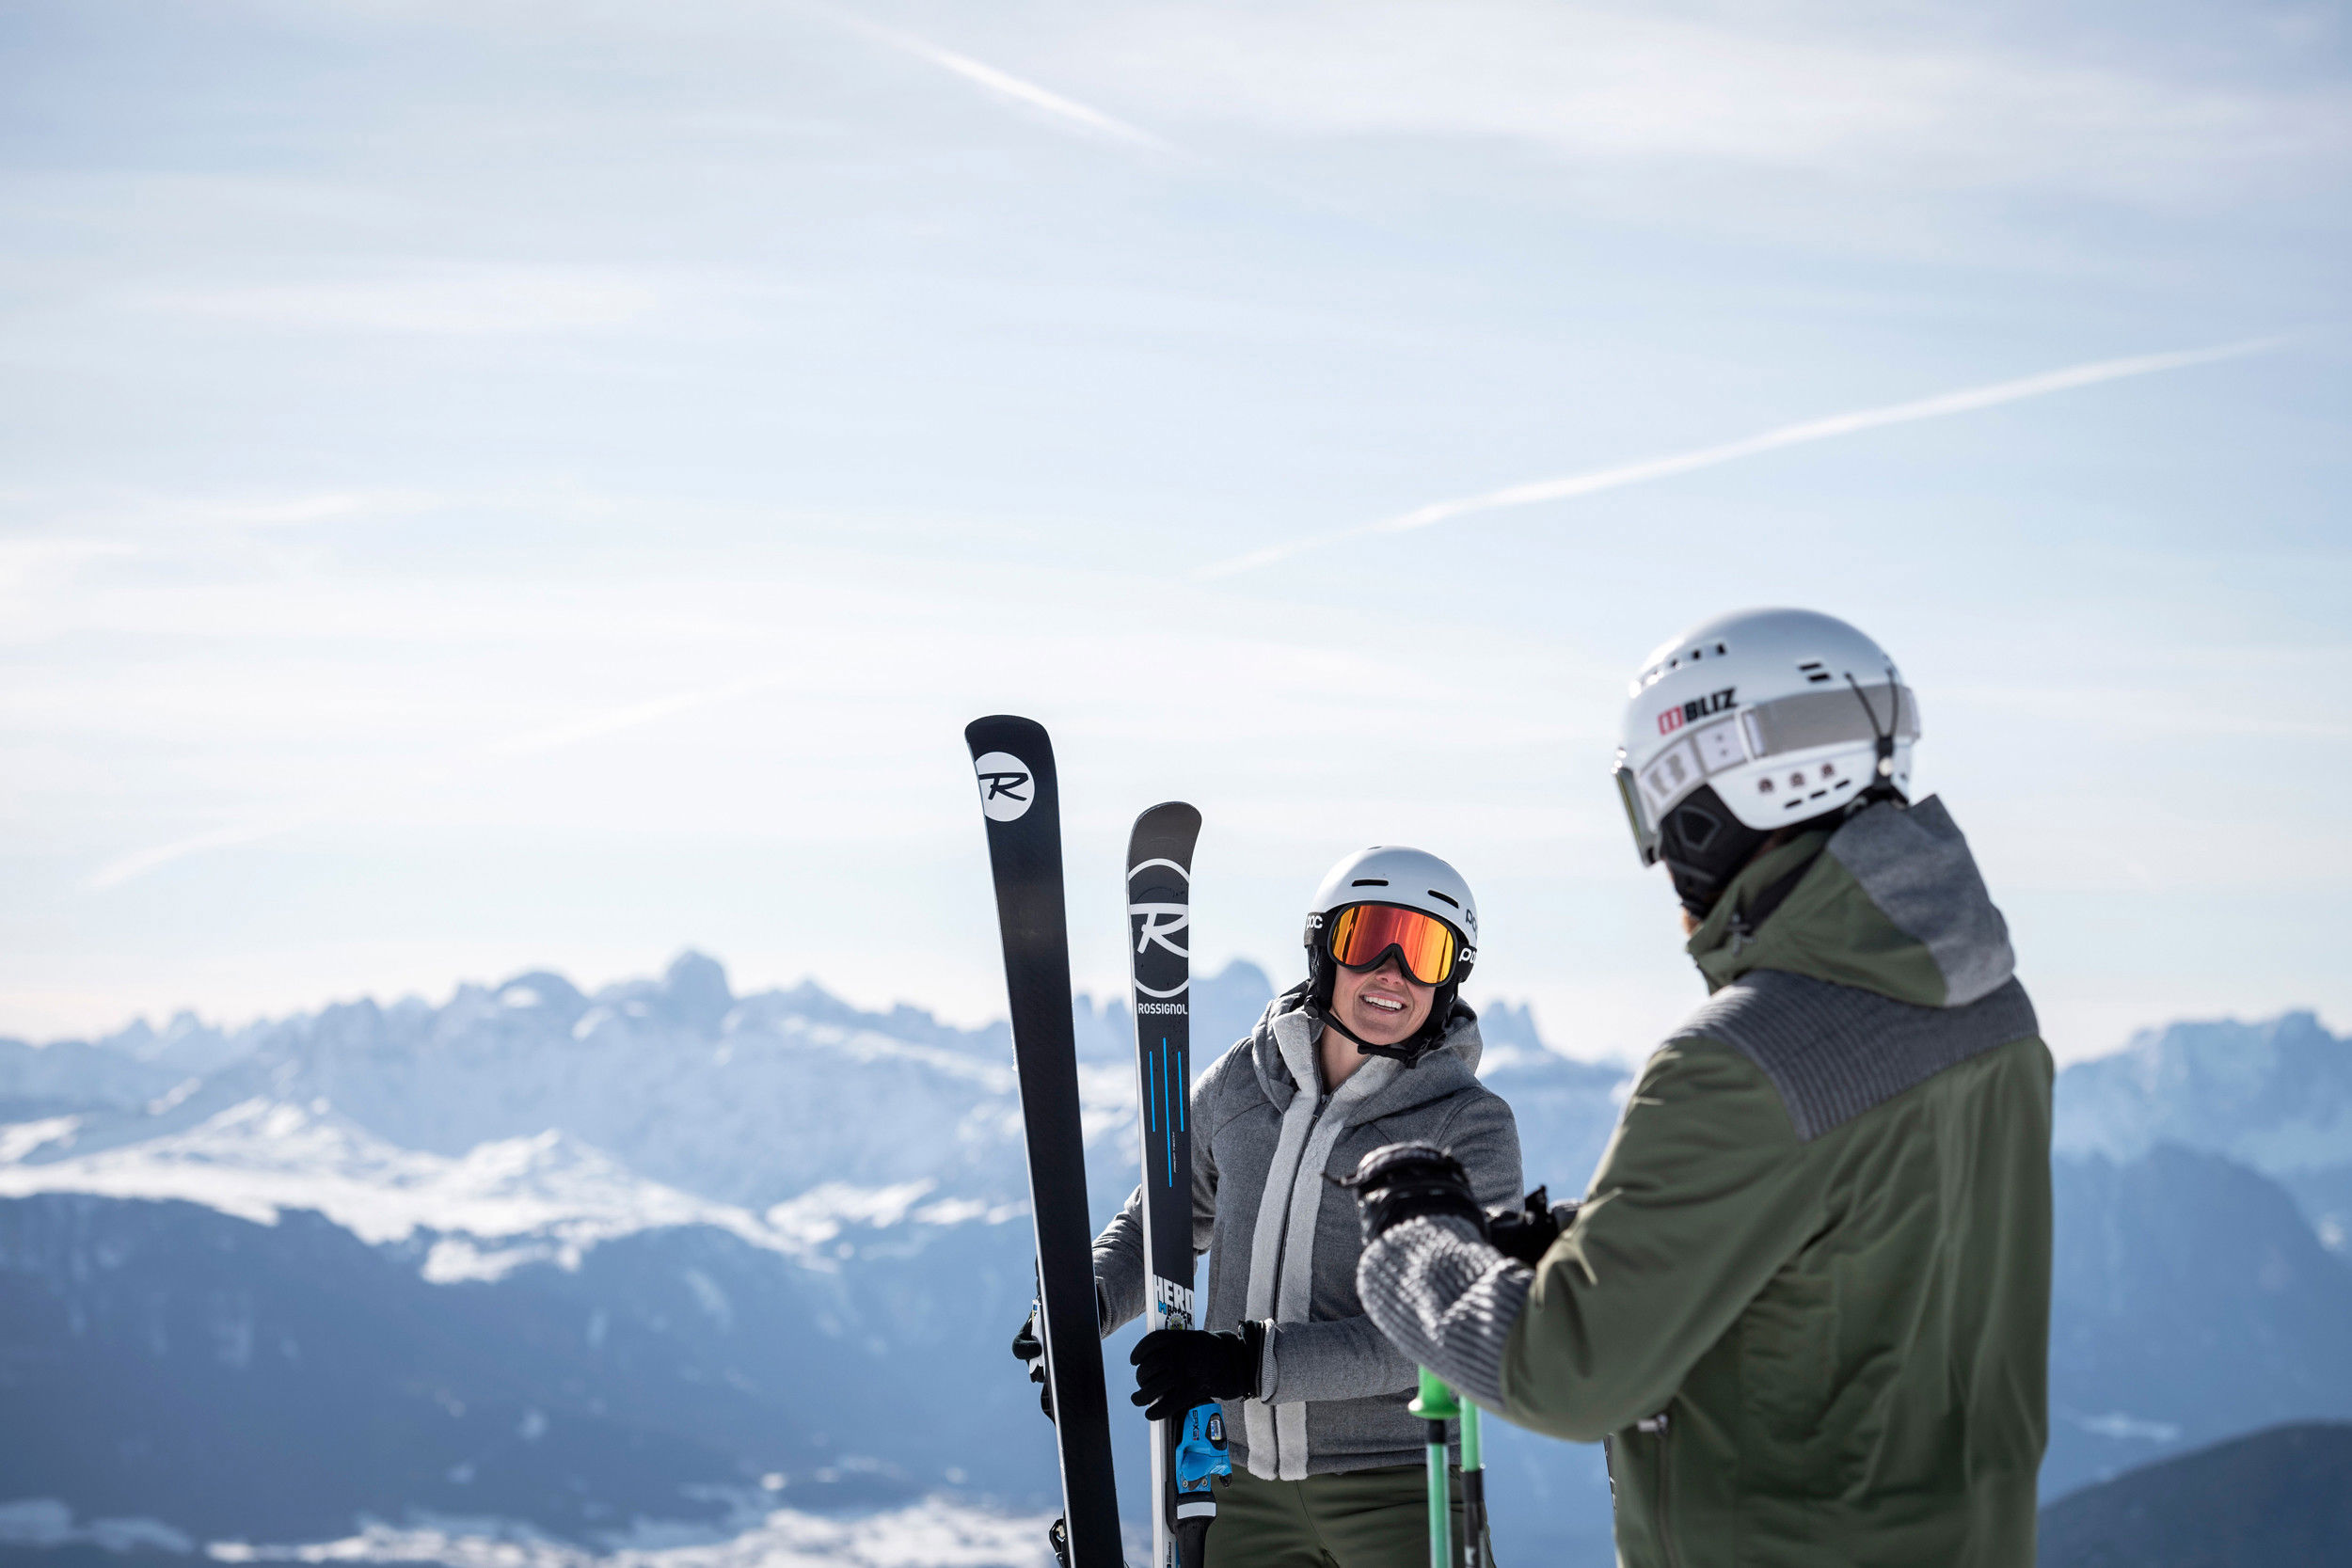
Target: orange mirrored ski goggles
[(1362, 935)]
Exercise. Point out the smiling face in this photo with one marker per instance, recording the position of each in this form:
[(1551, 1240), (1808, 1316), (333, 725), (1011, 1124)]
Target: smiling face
[(1383, 1004)]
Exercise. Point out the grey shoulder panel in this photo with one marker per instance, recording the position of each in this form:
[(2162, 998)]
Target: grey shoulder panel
[(1834, 1051), (1913, 864)]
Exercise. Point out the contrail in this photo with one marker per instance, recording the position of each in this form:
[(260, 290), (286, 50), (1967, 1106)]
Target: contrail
[(1030, 94), (1771, 440), (1004, 83)]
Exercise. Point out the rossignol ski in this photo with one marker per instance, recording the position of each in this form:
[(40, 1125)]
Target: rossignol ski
[(1023, 806), (1187, 1455)]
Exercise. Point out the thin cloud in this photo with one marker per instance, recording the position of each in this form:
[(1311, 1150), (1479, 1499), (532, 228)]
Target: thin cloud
[(465, 302), (129, 868), (1964, 401), (530, 743), (556, 737)]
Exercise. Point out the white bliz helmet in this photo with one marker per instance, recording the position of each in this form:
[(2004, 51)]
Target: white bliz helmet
[(1784, 715)]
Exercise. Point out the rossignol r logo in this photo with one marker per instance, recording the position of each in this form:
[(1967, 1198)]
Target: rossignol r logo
[(1007, 786), (1695, 710), (1157, 916)]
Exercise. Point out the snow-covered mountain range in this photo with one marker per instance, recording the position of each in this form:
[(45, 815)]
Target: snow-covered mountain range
[(2275, 1097), (665, 1258)]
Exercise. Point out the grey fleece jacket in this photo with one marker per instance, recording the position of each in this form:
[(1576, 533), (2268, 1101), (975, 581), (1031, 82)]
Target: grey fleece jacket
[(1332, 1390)]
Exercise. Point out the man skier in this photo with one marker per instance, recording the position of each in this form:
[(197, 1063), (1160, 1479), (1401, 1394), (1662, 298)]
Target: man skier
[(1805, 1301), (1374, 1047)]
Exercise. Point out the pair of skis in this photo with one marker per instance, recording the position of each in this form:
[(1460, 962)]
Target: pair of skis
[(1020, 798)]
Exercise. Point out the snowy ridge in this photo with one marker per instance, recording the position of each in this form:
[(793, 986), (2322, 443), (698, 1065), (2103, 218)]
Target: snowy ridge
[(544, 1197), (745, 1102), (2275, 1095), (528, 1122)]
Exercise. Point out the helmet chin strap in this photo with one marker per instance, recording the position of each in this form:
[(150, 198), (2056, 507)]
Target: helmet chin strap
[(1321, 1000), (1331, 1019), (1881, 786)]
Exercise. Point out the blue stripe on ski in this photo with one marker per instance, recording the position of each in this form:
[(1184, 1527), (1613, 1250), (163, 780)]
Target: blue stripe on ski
[(1160, 1071)]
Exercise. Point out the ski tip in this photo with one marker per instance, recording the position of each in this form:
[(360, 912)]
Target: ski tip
[(1177, 819), (991, 730), (1014, 764)]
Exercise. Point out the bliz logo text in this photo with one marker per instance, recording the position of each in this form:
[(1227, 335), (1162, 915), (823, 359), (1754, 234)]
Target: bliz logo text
[(1695, 710)]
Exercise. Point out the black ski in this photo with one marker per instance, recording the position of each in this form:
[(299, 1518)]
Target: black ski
[(1022, 807), (1159, 918)]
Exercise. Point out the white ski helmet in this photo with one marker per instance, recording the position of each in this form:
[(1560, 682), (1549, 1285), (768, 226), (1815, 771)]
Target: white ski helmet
[(1760, 720), (1401, 879)]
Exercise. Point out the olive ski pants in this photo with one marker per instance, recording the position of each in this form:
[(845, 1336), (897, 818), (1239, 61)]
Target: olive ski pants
[(1354, 1519)]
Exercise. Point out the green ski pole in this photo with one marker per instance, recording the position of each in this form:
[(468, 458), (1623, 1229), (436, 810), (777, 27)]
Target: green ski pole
[(1436, 1406), (1474, 1492)]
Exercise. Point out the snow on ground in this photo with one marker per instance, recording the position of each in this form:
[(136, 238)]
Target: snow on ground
[(547, 1198), (46, 1521), (935, 1533), (21, 1139)]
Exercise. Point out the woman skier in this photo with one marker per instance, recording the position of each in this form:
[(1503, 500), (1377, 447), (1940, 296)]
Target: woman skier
[(1374, 1047)]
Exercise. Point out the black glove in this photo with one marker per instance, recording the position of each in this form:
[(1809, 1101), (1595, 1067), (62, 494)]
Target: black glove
[(1528, 1231), (1179, 1367), (1027, 1347), (1400, 1182)]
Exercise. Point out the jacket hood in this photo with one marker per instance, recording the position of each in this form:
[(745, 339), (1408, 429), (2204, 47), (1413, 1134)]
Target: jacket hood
[(1282, 1050), (1891, 902)]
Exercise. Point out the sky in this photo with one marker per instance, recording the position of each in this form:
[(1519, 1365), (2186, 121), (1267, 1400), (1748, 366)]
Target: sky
[(512, 485)]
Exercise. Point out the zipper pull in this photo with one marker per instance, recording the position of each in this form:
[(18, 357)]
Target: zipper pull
[(1656, 1424)]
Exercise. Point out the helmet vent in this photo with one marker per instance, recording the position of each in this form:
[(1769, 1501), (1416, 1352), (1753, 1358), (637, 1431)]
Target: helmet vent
[(1455, 903), (1370, 882)]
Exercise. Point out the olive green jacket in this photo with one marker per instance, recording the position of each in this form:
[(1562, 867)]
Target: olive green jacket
[(1832, 1316), (1806, 1299)]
